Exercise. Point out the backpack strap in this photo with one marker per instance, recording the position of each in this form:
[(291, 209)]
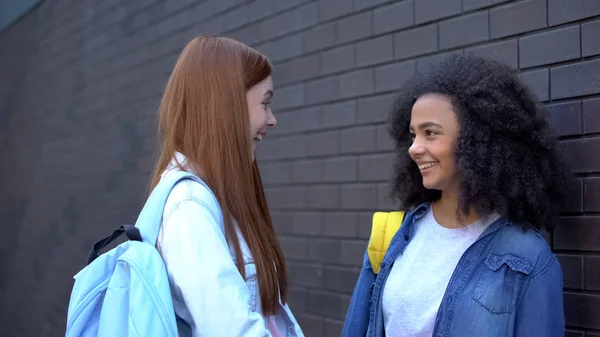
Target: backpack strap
[(150, 218), (385, 226)]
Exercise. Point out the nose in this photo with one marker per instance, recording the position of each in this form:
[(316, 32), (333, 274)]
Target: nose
[(271, 121), (416, 149)]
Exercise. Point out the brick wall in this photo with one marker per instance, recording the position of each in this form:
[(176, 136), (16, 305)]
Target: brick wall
[(80, 82)]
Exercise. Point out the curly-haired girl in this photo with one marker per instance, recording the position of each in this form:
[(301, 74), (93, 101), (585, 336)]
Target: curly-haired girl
[(478, 173)]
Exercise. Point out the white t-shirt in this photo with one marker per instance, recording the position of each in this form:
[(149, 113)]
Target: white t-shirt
[(417, 282)]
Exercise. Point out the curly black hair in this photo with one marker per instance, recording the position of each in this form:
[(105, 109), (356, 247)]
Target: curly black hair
[(505, 153)]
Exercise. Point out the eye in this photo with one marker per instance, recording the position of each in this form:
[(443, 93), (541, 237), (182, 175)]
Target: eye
[(430, 133), (266, 104), (412, 137)]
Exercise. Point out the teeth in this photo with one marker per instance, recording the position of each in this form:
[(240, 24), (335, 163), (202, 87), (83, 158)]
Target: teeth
[(426, 166), (258, 137)]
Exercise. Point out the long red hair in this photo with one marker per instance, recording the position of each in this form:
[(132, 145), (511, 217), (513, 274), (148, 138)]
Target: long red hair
[(204, 115)]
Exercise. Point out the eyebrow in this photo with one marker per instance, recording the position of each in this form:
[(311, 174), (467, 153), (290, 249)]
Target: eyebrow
[(269, 93), (427, 125)]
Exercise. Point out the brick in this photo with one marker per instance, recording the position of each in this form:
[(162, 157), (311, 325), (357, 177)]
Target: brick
[(333, 327), (469, 5), (298, 298), (357, 140), (517, 18), (283, 5), (323, 143), (358, 196), (592, 272), (464, 30), (393, 17), (506, 52), (375, 167), (591, 115), (574, 200), (416, 41), (307, 223), (364, 4), (384, 202), (320, 37), (338, 59), (290, 21), (323, 90), (331, 9), (327, 304), (549, 47), (276, 173), (324, 250), (312, 325), (286, 197), (356, 83), (591, 194), (354, 27), (288, 147), (375, 50), (572, 268), (394, 76), (374, 109), (353, 252), (308, 171), (323, 197), (306, 119), (289, 97), (565, 118), (581, 310), (305, 274), (576, 79), (424, 63), (572, 333), (341, 224), (297, 69), (538, 82), (365, 220), (296, 248), (430, 10), (384, 140), (590, 33), (340, 279), (578, 233), (341, 169), (577, 151), (339, 114), (561, 11)]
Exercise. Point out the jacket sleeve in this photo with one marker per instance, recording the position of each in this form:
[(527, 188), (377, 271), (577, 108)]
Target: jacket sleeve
[(541, 311), (204, 275), (357, 318)]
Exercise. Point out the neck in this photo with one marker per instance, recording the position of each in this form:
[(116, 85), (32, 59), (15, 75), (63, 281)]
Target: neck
[(447, 213)]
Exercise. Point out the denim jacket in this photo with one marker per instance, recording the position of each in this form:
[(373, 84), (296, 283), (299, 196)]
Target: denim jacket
[(507, 283), (210, 297)]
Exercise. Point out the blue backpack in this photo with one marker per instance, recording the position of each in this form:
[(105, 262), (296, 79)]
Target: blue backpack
[(125, 291)]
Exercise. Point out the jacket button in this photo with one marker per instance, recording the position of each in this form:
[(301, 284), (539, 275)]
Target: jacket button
[(406, 237)]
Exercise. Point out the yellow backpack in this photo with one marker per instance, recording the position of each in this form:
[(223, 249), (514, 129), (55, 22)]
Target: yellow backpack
[(385, 226)]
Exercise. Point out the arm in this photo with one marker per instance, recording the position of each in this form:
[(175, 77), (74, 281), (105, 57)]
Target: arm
[(204, 275), (357, 318), (541, 311)]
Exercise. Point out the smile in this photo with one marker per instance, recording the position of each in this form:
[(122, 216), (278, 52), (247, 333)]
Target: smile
[(425, 166), (259, 137)]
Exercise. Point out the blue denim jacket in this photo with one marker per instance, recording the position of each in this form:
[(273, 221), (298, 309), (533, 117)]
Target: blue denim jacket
[(508, 283)]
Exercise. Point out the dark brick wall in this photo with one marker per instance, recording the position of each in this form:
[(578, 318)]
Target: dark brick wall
[(80, 83)]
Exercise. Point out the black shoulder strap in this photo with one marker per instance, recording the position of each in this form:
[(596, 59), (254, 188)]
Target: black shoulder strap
[(132, 232)]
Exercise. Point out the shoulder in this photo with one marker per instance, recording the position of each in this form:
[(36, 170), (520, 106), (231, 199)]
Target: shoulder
[(527, 246), (188, 190)]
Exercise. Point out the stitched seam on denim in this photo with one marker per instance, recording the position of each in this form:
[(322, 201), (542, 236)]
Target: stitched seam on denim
[(544, 269)]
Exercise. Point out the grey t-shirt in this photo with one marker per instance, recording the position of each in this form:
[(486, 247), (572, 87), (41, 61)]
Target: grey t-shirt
[(417, 282)]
